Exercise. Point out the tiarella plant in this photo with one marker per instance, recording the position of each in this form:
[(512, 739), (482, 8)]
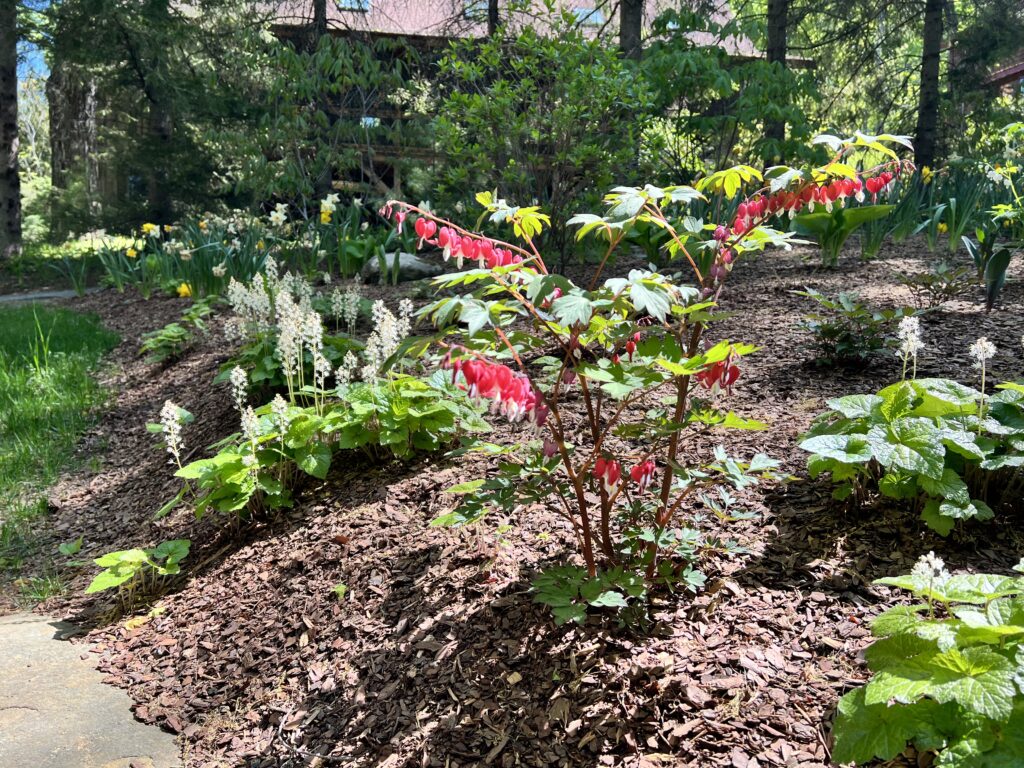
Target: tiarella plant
[(137, 573), (318, 409), (948, 674), (946, 449), (631, 349), (282, 339)]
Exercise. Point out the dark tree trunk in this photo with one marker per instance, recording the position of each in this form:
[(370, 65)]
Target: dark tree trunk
[(158, 193), (318, 30), (928, 105), (492, 17), (319, 26), (631, 27), (160, 124), (778, 20), (10, 183)]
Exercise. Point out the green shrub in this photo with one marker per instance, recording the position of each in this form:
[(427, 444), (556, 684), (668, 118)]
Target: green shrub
[(135, 571), (940, 284), (933, 444), (570, 112)]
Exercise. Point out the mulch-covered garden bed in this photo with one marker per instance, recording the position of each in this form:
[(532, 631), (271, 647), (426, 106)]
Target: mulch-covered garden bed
[(434, 653)]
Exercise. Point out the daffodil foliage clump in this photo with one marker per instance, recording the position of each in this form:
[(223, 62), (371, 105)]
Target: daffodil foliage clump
[(632, 350), (948, 674)]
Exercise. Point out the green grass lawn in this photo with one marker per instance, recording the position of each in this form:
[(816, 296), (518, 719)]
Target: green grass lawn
[(48, 397)]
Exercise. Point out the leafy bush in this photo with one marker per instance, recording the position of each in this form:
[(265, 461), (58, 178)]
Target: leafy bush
[(570, 112), (694, 135), (400, 416), (254, 471), (388, 414), (846, 331), (169, 342), (527, 341), (948, 673), (933, 443)]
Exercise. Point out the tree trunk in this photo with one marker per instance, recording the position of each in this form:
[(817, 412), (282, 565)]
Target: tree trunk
[(928, 105), (492, 17), (778, 20), (158, 193), (10, 182), (319, 26), (631, 25), (160, 123)]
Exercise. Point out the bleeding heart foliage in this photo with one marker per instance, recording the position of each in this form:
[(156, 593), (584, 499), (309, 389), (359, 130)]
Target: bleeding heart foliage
[(632, 350)]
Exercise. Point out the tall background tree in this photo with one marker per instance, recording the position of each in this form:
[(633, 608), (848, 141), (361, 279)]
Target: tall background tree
[(631, 27), (925, 133), (10, 181), (778, 20)]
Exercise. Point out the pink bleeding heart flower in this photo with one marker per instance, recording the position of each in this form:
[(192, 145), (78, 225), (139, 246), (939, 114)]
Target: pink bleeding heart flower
[(721, 375), (643, 473), (610, 474)]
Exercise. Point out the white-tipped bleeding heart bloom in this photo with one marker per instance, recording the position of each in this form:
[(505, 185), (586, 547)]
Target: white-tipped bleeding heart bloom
[(608, 472), (643, 473)]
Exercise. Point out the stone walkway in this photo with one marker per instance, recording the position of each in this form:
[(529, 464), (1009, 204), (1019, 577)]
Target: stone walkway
[(10, 298), (56, 713)]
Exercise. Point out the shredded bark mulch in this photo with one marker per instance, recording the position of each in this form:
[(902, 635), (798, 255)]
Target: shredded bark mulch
[(350, 632)]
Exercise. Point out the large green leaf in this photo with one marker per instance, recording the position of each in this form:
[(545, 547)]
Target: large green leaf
[(865, 732), (949, 486), (573, 309), (897, 400), (855, 406), (903, 669), (849, 449), (977, 679), (909, 443)]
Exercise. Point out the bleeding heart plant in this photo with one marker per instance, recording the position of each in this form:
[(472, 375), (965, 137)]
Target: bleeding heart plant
[(631, 350)]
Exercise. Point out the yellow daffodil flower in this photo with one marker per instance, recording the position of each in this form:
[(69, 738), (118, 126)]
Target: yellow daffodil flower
[(926, 175), (131, 253), (325, 217), (943, 228), (184, 291), (150, 229)]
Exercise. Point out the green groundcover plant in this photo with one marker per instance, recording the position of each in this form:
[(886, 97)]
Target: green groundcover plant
[(137, 573), (632, 350), (373, 403), (948, 674), (946, 449), (844, 330)]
